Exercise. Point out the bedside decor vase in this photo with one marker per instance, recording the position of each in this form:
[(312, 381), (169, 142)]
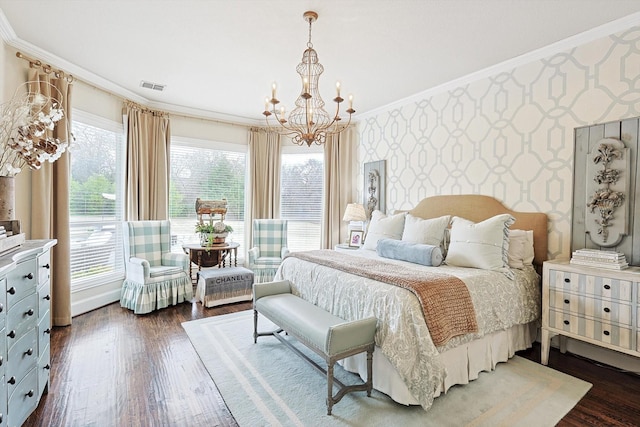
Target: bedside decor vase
[(7, 198)]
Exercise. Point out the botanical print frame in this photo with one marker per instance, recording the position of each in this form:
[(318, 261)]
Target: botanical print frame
[(355, 238), (374, 187)]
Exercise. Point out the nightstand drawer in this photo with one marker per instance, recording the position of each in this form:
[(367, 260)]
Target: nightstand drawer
[(594, 308), (590, 284), (589, 328)]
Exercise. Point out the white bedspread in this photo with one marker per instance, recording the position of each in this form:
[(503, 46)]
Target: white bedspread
[(402, 333)]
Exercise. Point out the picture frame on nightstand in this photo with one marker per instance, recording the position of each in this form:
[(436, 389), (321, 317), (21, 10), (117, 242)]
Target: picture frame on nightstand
[(355, 238)]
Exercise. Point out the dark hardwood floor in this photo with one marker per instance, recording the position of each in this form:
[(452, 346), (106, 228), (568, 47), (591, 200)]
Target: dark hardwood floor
[(114, 368)]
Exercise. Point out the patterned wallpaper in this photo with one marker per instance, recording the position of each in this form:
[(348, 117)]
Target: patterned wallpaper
[(510, 135)]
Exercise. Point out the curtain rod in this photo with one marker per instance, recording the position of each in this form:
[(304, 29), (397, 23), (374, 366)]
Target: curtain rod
[(36, 63)]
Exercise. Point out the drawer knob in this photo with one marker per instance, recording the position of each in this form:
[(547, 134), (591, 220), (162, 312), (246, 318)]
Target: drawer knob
[(11, 290), (606, 333), (29, 312), (47, 331), (607, 287), (12, 380), (566, 322), (566, 301), (567, 280), (12, 334), (1, 307), (29, 276), (1, 360), (30, 394), (47, 297), (46, 266), (607, 309), (29, 352), (47, 366)]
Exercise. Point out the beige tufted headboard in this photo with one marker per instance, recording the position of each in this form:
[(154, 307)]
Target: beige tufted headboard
[(477, 208)]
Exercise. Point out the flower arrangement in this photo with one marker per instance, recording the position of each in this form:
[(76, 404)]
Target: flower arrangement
[(211, 233), (26, 122)]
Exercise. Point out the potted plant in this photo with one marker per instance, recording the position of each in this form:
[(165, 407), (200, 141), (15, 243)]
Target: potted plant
[(211, 234)]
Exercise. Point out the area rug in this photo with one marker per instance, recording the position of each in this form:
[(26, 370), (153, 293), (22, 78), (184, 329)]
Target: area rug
[(266, 384)]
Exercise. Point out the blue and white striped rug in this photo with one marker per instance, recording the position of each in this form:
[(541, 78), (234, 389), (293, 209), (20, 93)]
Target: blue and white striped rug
[(266, 384)]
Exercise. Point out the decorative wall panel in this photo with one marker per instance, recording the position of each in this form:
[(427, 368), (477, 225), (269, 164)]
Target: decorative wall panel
[(511, 135)]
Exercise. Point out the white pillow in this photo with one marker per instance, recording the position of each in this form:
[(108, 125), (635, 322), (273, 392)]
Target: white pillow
[(425, 231), (483, 245), (383, 227), (521, 248)]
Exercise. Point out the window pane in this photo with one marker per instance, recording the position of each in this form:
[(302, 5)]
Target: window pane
[(209, 174), (301, 196), (95, 205)]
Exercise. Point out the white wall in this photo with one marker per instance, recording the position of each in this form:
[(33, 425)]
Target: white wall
[(509, 135)]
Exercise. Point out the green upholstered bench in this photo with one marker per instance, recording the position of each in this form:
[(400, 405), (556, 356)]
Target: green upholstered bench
[(329, 336)]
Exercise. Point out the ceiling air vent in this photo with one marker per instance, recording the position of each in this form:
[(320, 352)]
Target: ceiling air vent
[(152, 86)]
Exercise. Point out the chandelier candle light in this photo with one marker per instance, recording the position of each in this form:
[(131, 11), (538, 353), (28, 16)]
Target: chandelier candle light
[(308, 123)]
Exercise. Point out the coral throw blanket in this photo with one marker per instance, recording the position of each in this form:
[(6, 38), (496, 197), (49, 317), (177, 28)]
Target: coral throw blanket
[(445, 300)]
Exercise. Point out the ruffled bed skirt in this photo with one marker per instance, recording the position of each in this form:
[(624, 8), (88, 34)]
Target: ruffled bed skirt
[(462, 364), (145, 298)]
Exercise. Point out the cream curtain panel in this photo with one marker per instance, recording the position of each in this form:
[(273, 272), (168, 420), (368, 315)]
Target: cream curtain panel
[(264, 174), (147, 170), (339, 178), (50, 194)]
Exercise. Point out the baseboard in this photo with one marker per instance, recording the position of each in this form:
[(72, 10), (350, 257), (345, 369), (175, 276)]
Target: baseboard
[(82, 303), (614, 358)]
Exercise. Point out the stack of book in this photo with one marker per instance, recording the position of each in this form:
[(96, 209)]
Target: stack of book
[(600, 259)]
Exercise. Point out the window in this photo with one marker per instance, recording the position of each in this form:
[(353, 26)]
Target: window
[(301, 193), (211, 172), (96, 201)]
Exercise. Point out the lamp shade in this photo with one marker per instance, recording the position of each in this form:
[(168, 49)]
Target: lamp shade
[(354, 212)]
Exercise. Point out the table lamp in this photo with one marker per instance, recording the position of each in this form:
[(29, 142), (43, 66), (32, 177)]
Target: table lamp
[(356, 216)]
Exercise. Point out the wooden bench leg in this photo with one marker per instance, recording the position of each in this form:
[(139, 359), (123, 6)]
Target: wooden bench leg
[(329, 387), (255, 326), (369, 371)]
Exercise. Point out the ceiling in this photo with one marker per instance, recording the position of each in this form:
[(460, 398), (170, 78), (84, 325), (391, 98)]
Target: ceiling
[(218, 58)]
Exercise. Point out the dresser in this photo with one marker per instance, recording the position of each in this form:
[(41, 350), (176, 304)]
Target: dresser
[(25, 328), (595, 305)]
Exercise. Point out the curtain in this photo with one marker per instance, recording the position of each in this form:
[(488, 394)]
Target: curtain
[(147, 169), (264, 177), (264, 174), (50, 201), (339, 177)]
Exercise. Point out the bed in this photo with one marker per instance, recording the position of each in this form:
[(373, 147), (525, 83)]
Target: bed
[(408, 366)]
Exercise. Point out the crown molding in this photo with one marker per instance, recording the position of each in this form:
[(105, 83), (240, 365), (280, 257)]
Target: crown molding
[(580, 39), (9, 36)]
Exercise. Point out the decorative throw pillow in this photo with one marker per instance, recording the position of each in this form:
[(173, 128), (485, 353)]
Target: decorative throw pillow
[(417, 253), (481, 245), (425, 231), (521, 248), (383, 227)]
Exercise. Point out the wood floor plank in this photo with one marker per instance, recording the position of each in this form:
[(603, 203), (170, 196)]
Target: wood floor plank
[(115, 368)]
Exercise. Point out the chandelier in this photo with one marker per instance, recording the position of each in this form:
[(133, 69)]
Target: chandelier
[(308, 123)]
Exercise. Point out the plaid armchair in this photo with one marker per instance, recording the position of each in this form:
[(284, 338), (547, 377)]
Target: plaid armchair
[(155, 277), (269, 248)]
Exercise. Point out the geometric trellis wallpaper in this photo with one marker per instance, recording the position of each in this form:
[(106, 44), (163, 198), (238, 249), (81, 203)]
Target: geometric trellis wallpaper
[(511, 135)]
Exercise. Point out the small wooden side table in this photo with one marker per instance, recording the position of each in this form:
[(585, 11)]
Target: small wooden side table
[(210, 256)]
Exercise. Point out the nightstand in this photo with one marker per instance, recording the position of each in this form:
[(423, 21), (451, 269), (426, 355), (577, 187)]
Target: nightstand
[(343, 247), (591, 304)]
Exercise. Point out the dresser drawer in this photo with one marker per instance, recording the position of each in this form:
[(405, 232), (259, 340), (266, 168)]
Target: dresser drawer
[(3, 303), (24, 399), (44, 297), (609, 311), (44, 332), (22, 317), (591, 285), (20, 358), (3, 404), (44, 267), (43, 370), (21, 281), (616, 335)]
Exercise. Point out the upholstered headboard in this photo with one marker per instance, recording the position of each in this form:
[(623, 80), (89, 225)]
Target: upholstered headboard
[(477, 208)]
